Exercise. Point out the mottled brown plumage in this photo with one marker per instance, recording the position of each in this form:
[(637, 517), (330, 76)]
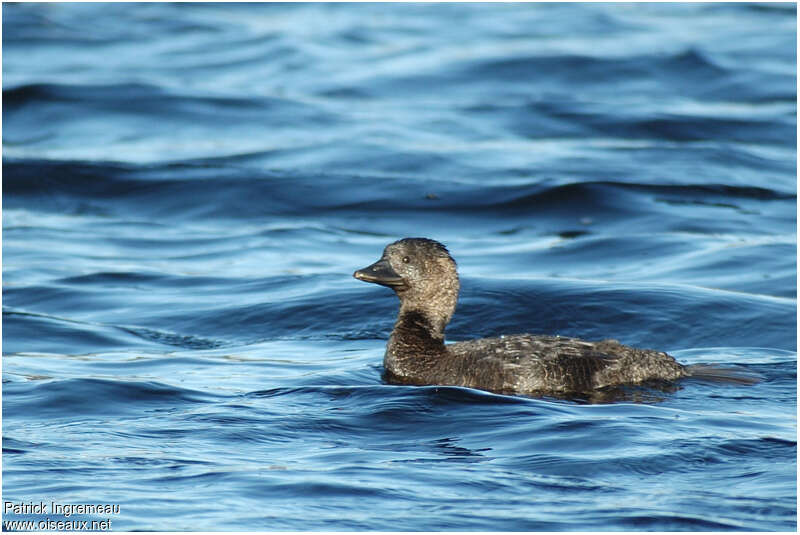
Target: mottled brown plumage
[(423, 275)]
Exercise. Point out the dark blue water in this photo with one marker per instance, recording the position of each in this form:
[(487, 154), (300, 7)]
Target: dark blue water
[(187, 190)]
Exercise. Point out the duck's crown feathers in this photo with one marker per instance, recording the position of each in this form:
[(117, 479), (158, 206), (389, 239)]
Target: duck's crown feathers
[(432, 246)]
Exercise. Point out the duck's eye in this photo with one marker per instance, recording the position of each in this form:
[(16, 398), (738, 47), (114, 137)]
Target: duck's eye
[(406, 260)]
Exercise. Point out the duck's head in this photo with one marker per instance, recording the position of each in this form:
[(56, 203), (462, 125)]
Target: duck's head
[(423, 275)]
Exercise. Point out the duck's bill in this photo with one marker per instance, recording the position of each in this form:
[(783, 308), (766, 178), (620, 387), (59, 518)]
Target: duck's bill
[(380, 272)]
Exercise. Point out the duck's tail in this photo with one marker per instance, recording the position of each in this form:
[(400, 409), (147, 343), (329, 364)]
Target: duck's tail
[(723, 374)]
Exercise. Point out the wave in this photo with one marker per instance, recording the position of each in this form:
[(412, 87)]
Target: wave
[(165, 191), (581, 68), (147, 98), (96, 398), (691, 72)]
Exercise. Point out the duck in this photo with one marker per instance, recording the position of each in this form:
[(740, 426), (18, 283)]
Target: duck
[(424, 276)]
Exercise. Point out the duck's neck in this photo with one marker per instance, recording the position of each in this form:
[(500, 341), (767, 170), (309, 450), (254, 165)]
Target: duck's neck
[(415, 346)]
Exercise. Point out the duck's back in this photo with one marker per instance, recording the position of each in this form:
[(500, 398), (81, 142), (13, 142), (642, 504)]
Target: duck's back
[(541, 364)]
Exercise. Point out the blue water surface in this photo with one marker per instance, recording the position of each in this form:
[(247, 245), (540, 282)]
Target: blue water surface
[(187, 189)]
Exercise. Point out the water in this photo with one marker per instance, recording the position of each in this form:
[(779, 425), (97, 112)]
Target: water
[(187, 190)]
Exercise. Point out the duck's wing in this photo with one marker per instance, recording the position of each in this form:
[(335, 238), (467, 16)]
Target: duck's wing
[(530, 363)]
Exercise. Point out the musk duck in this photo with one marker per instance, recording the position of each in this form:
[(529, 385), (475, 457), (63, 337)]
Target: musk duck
[(423, 275)]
